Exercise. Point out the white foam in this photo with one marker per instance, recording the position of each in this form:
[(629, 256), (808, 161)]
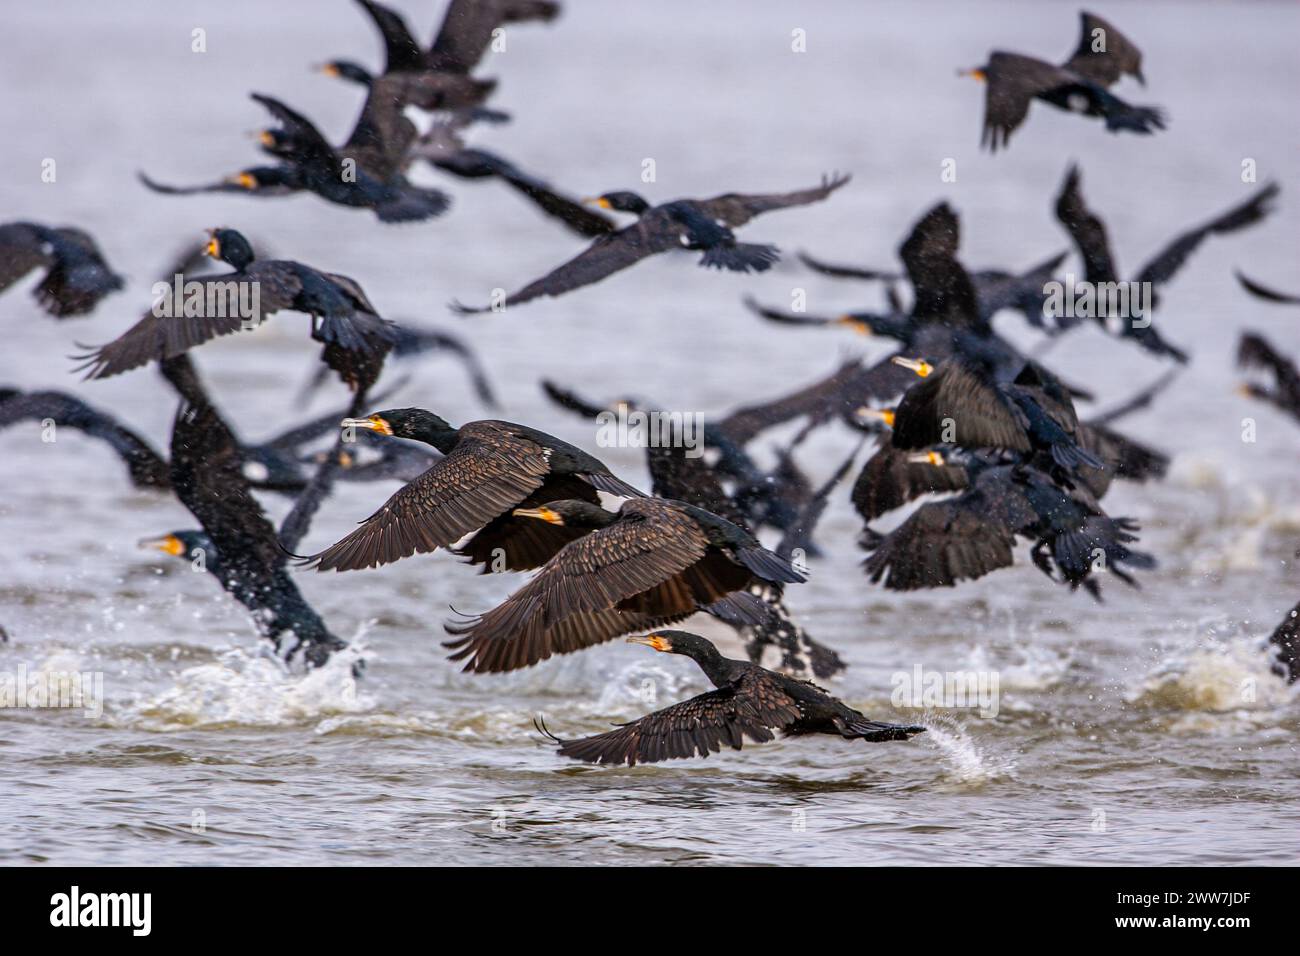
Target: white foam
[(251, 688), (1232, 677)]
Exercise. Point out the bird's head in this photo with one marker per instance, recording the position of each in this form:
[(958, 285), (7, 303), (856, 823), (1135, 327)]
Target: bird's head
[(620, 201), (918, 365), (244, 179), (277, 142), (980, 73), (348, 70), (230, 247), (569, 513), (677, 642), (402, 423), (179, 544), (259, 177)]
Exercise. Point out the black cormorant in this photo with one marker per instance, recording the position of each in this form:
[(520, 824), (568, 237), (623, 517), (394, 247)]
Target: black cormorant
[(356, 339), (958, 404), (491, 468), (237, 545), (1078, 86), (462, 40), (697, 224), (76, 275), (750, 701), (1089, 235), (966, 537), (653, 562)]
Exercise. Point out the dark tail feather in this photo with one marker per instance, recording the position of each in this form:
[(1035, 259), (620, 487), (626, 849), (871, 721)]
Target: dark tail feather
[(860, 727), (740, 609), (741, 257), (414, 205), (540, 723), (769, 566), (1075, 551), (1138, 119)]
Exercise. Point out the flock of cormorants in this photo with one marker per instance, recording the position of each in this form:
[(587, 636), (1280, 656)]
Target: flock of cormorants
[(955, 409)]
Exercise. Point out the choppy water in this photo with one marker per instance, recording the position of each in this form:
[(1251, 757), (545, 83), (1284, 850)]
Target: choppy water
[(1145, 730)]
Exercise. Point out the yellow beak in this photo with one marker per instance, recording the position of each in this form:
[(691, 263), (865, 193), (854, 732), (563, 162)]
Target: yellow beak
[(542, 514), (169, 543), (374, 423), (661, 644), (920, 366)]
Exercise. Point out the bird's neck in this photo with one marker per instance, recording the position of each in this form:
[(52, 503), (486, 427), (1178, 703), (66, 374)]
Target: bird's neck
[(716, 667), (443, 439)]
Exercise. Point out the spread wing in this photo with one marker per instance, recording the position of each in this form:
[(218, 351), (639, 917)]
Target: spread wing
[(22, 249), (575, 633), (753, 706), (607, 255), (308, 143), (476, 163), (467, 27), (383, 135), (941, 543), (147, 469), (1012, 81), (1104, 54), (166, 331), (853, 384), (1171, 258), (888, 481), (651, 565), (838, 271), (942, 287), (1087, 231), (954, 405), (478, 481), (736, 209), (401, 51)]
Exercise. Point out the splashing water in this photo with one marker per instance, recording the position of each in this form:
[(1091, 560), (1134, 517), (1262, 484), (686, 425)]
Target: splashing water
[(1224, 677), (966, 761), (246, 687)]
